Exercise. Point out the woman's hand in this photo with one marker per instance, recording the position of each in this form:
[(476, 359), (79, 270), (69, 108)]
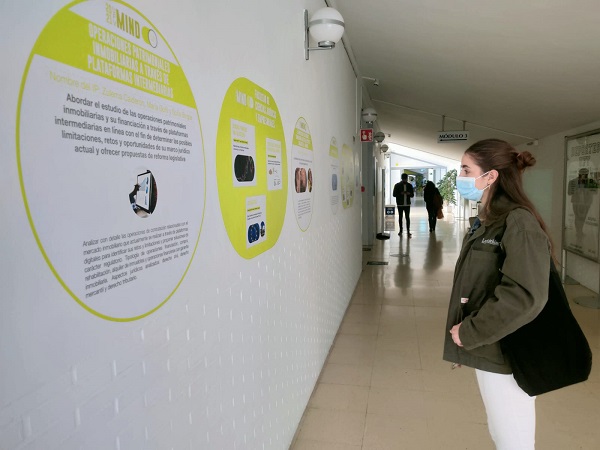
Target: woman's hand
[(454, 333)]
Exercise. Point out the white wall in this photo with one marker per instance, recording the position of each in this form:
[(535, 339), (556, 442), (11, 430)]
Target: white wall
[(230, 360), (545, 185)]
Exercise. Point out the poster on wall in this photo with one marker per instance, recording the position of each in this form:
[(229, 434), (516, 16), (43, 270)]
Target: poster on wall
[(580, 231), (111, 159), (251, 168), (303, 173), (334, 165), (347, 182), (356, 172)]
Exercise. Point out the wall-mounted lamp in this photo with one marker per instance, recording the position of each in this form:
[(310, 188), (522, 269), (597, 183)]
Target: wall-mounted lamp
[(326, 26), (369, 115), (384, 148), (379, 137)]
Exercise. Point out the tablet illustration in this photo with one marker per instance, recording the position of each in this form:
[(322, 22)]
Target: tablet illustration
[(144, 193)]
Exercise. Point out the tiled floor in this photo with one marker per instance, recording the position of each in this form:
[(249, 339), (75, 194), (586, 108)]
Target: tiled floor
[(385, 385)]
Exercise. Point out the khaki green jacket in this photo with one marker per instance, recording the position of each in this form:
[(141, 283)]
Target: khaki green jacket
[(500, 284)]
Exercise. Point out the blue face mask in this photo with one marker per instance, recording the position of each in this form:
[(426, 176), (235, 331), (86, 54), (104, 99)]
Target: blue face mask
[(466, 188)]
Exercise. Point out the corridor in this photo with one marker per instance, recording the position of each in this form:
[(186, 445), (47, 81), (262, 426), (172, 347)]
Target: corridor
[(385, 385)]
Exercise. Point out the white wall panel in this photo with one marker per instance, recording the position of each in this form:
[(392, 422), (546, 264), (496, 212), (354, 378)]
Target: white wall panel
[(231, 359)]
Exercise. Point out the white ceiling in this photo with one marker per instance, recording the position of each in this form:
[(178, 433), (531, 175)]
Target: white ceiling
[(512, 69)]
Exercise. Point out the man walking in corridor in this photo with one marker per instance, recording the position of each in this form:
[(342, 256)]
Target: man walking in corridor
[(404, 191)]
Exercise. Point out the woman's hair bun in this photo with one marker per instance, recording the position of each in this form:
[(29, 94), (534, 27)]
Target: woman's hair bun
[(524, 160)]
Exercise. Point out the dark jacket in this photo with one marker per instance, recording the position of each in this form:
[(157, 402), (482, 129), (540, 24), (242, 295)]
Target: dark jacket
[(433, 199), (403, 191), (500, 284)]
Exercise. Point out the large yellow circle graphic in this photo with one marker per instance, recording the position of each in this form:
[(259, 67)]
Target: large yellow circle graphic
[(111, 159), (251, 168)]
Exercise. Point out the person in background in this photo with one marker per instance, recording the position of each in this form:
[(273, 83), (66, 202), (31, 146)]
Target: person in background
[(403, 191), (500, 284), (433, 203), (582, 191)]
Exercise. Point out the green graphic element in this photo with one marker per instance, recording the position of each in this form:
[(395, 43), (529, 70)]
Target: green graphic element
[(247, 103), (302, 137), (66, 39), (77, 42)]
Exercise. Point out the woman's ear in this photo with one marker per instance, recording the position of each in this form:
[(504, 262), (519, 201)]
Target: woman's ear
[(492, 176)]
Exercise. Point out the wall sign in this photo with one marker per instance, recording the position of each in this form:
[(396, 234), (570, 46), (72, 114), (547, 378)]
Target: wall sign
[(366, 135), (452, 136)]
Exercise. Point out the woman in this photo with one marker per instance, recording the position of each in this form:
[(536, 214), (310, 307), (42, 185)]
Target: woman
[(433, 203), (500, 284)]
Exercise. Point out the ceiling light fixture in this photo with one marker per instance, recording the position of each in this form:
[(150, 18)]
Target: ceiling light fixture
[(326, 26)]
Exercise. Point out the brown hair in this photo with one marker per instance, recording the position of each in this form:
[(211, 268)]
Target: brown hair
[(495, 154)]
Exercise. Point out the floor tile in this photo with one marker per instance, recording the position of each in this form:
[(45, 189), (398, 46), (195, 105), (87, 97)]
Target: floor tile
[(340, 397), (338, 427), (350, 374)]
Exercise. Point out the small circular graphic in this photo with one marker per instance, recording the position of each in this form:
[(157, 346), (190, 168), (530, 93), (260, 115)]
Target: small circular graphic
[(243, 168), (150, 37), (253, 233)]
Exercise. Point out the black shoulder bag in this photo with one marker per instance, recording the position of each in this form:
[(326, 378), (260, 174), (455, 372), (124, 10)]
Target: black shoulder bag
[(551, 351)]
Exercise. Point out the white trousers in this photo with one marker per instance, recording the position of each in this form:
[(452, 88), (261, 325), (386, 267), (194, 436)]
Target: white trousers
[(510, 411)]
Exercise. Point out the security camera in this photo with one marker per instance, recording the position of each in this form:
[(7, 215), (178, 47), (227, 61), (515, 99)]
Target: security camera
[(375, 82), (369, 115), (379, 137), (384, 148)]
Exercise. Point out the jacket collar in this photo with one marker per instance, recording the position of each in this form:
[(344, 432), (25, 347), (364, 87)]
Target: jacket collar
[(503, 204)]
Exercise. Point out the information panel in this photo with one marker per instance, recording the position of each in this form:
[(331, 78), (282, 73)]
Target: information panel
[(304, 173), (581, 201), (111, 159), (348, 180), (251, 168), (334, 169)]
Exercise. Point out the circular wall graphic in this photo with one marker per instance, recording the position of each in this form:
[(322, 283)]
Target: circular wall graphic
[(348, 181), (334, 185), (303, 171), (106, 120), (251, 168)]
